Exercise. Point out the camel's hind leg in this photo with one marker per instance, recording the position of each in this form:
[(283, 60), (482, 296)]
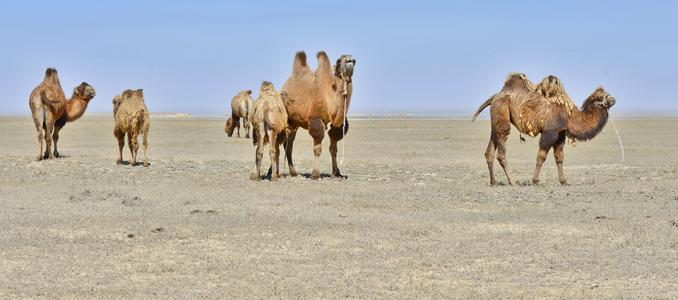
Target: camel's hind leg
[(256, 171), (501, 127), (56, 140), (49, 132), (289, 145), (272, 137), (38, 119), (489, 157), (145, 128), (120, 136), (546, 141), (246, 124)]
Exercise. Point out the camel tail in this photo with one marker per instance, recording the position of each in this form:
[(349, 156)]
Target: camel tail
[(482, 107), (52, 104)]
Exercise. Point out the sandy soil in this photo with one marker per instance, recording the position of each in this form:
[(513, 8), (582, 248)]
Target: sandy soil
[(416, 217)]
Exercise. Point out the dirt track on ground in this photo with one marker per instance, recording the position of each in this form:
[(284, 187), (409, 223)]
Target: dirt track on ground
[(416, 217)]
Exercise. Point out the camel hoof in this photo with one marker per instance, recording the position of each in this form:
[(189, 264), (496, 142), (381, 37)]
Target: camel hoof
[(56, 154), (118, 162), (255, 177), (146, 164), (564, 183), (315, 175), (39, 158), (535, 181), (293, 172), (274, 178)]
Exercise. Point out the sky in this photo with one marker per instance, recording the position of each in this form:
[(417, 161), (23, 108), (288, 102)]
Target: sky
[(418, 57)]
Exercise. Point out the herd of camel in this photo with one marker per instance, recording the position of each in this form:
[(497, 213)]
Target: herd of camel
[(318, 101)]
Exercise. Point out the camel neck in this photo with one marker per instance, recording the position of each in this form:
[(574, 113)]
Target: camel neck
[(75, 108), (585, 124), (343, 97)]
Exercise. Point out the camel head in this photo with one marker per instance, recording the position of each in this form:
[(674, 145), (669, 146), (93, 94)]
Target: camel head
[(344, 67), (230, 127), (84, 91), (267, 88), (599, 99), (518, 80)]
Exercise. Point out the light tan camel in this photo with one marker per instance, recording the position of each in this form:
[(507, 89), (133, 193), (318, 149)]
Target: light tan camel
[(316, 100), (51, 110), (131, 118), (269, 121), (241, 108), (520, 104)]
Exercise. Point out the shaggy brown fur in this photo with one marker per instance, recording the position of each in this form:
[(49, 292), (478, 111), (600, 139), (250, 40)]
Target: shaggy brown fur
[(269, 121), (527, 108), (131, 118), (316, 100), (242, 105), (51, 110)]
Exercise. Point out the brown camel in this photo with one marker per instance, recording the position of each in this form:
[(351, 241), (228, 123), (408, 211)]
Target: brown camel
[(51, 111), (241, 107), (269, 121), (526, 107), (316, 100), (131, 118)]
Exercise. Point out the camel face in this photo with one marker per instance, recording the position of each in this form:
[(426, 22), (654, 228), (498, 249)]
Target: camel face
[(85, 91), (345, 65), (229, 127)]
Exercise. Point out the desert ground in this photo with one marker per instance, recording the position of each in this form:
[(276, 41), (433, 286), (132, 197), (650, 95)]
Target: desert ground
[(416, 217)]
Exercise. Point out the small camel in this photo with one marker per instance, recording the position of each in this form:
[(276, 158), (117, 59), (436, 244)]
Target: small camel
[(131, 118), (544, 110), (51, 110), (241, 107), (269, 124)]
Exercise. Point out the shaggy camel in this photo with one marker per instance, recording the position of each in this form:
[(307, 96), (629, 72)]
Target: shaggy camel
[(241, 107), (269, 121), (317, 99), (526, 107), (51, 111), (131, 118)]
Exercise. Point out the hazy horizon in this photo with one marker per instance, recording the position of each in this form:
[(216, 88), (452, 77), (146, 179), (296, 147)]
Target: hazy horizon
[(420, 58)]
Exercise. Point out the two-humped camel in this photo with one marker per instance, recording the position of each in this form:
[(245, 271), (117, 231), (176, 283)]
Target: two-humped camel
[(269, 121), (131, 118), (242, 105)]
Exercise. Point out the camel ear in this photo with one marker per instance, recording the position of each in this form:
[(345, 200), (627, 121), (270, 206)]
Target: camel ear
[(249, 92), (76, 91)]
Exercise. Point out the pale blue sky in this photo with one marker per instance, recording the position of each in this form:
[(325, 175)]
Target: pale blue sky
[(413, 56)]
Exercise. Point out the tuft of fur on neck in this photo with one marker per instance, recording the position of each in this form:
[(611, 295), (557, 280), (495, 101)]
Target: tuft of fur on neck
[(585, 124)]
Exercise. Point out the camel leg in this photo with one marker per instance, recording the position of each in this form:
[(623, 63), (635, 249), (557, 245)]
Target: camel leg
[(317, 130), (130, 145), (280, 140), (289, 145), (49, 132), (56, 140), (247, 127), (41, 135), (120, 136), (501, 128), (546, 141), (489, 157), (272, 142), (336, 134), (256, 171), (559, 155), (145, 143), (135, 145)]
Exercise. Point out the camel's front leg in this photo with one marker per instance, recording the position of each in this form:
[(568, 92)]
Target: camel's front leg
[(501, 156), (317, 130), (559, 155), (289, 145), (336, 134), (120, 136), (145, 143), (546, 141)]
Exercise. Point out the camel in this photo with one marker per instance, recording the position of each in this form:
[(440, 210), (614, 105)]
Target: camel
[(316, 100), (542, 110), (51, 110), (241, 107), (269, 121), (131, 118)]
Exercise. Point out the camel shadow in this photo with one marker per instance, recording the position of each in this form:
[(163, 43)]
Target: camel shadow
[(127, 163), (323, 176)]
